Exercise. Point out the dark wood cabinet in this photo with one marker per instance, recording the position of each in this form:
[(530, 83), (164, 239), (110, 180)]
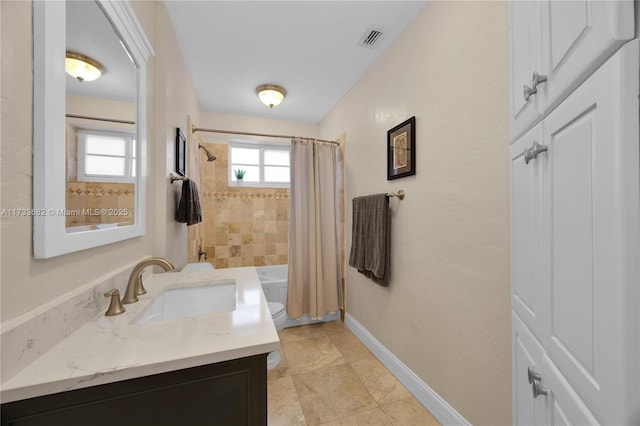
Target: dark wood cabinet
[(226, 393)]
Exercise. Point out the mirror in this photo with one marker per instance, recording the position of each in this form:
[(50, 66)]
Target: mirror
[(89, 134), (100, 123)]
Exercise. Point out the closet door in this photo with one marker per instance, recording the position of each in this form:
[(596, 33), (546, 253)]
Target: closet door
[(528, 294), (527, 361), (578, 36), (525, 56), (591, 235), (565, 406)]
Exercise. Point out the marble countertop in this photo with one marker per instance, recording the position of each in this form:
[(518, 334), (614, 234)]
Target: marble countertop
[(111, 349)]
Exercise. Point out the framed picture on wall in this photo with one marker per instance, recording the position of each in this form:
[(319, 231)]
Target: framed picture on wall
[(401, 150), (181, 152)]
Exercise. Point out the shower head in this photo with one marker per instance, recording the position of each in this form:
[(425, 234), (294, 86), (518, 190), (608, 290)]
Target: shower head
[(210, 156)]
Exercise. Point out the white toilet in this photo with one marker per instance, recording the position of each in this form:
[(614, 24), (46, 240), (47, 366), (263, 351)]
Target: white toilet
[(279, 316)]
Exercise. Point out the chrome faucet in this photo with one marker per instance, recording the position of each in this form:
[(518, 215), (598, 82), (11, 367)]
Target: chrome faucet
[(134, 286)]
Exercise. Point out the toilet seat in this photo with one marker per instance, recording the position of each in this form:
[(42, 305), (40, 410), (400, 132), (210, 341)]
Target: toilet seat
[(279, 317)]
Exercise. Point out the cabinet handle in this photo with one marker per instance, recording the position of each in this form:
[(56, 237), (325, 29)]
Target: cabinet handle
[(538, 389), (534, 380), (534, 151), (528, 91), (536, 79), (533, 375)]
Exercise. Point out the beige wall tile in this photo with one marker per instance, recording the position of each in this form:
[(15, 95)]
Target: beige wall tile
[(235, 262), (235, 239), (235, 251), (272, 259)]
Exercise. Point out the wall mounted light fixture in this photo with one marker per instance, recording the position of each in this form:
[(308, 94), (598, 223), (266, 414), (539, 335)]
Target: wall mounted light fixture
[(82, 67), (270, 94)]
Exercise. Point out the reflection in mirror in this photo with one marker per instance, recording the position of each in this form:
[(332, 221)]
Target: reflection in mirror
[(100, 123)]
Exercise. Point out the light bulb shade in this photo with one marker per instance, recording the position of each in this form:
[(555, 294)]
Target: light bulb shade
[(82, 67), (270, 94)]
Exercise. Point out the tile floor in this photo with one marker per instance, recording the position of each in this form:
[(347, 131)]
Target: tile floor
[(328, 377)]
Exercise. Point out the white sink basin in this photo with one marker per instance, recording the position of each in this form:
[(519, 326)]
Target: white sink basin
[(190, 301)]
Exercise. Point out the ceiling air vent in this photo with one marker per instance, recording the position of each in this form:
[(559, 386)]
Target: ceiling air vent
[(371, 37)]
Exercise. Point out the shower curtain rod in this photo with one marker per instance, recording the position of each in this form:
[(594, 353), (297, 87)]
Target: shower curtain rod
[(110, 120), (234, 132)]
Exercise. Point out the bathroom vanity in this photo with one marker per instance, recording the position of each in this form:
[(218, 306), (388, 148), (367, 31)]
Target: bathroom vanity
[(201, 369), (227, 393)]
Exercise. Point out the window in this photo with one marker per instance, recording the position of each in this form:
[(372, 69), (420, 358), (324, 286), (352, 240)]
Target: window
[(265, 165), (106, 156)]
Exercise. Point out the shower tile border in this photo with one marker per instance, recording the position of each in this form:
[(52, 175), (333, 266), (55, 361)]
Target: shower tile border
[(234, 194)]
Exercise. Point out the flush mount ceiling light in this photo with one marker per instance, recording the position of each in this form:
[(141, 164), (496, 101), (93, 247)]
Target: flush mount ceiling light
[(82, 67), (270, 94)]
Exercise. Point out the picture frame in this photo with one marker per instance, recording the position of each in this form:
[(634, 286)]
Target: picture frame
[(401, 150), (181, 152)]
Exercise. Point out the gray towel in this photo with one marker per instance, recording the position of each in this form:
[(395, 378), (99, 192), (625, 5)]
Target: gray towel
[(370, 237), (189, 211)]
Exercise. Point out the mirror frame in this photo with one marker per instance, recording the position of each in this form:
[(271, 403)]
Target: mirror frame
[(50, 238)]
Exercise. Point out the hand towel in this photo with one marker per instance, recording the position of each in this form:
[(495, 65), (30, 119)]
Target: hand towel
[(370, 237), (189, 211)]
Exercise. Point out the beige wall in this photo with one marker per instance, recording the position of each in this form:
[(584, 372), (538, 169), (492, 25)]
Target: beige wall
[(27, 283), (175, 102), (446, 311)]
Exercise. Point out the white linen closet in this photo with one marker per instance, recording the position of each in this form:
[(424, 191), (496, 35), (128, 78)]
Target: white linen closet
[(575, 212)]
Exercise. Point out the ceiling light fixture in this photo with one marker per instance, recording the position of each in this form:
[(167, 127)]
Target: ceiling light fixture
[(82, 67), (270, 94)]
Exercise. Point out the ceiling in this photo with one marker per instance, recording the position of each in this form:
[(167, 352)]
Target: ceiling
[(90, 33), (311, 48)]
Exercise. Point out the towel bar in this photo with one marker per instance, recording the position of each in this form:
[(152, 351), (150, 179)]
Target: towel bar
[(399, 194)]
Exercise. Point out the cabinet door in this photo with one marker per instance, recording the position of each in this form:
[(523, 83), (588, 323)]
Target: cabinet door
[(524, 57), (591, 238), (528, 294), (565, 407), (578, 36), (527, 353)]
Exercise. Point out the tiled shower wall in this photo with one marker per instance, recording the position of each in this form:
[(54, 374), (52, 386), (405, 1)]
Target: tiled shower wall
[(243, 226)]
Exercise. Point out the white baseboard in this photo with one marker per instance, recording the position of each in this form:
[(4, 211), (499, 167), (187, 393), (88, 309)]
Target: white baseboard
[(433, 402)]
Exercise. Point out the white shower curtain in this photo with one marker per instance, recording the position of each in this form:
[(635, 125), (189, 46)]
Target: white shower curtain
[(315, 267)]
